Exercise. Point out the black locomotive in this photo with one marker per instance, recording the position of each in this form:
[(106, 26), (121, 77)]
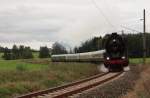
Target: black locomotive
[(115, 57)]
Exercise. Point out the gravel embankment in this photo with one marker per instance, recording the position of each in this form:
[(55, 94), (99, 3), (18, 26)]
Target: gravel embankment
[(116, 88)]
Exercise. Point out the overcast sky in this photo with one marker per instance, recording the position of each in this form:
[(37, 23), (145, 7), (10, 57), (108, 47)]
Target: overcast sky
[(42, 22)]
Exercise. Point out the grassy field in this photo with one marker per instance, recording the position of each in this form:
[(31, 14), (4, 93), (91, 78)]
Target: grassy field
[(23, 76), (35, 54), (138, 60)]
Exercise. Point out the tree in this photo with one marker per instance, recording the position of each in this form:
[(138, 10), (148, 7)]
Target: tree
[(27, 53), (90, 45), (76, 50), (7, 54), (15, 52), (135, 45), (21, 51), (44, 52), (58, 49), (2, 49)]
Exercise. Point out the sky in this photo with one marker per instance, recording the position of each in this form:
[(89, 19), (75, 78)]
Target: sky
[(38, 23)]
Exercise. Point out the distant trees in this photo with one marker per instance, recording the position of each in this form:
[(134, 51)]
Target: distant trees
[(57, 48), (44, 52), (7, 54), (90, 45), (27, 53), (2, 49), (17, 53), (135, 44)]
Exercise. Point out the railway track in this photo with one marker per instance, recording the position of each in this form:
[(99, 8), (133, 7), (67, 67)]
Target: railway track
[(73, 88)]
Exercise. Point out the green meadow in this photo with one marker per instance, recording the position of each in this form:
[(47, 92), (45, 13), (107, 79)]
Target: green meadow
[(19, 77), (138, 60), (23, 76)]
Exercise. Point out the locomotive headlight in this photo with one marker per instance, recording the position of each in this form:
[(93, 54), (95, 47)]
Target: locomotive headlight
[(123, 57), (107, 58)]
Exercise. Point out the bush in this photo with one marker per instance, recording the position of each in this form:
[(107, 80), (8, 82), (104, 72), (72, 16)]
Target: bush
[(21, 67), (4, 92)]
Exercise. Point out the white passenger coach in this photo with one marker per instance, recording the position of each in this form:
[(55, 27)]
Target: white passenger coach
[(96, 56)]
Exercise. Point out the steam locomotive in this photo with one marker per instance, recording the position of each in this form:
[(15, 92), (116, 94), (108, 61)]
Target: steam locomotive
[(114, 56)]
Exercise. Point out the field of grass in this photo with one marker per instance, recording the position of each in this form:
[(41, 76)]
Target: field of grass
[(12, 65), (27, 75), (35, 54), (139, 60), (23, 76)]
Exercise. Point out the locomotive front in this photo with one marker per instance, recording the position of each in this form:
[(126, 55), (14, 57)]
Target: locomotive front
[(116, 57)]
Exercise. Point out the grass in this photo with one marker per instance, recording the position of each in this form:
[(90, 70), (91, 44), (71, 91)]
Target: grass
[(27, 75), (11, 65), (24, 76), (138, 60), (35, 54)]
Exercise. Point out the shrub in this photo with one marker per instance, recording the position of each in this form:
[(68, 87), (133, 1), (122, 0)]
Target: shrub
[(21, 67)]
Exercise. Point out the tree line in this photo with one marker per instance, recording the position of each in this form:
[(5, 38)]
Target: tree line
[(24, 52), (93, 44), (134, 45), (20, 52)]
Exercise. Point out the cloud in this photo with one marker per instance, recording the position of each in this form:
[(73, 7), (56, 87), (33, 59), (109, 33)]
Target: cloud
[(67, 21)]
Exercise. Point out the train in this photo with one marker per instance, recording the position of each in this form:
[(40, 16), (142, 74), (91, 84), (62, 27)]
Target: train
[(114, 55), (95, 56)]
